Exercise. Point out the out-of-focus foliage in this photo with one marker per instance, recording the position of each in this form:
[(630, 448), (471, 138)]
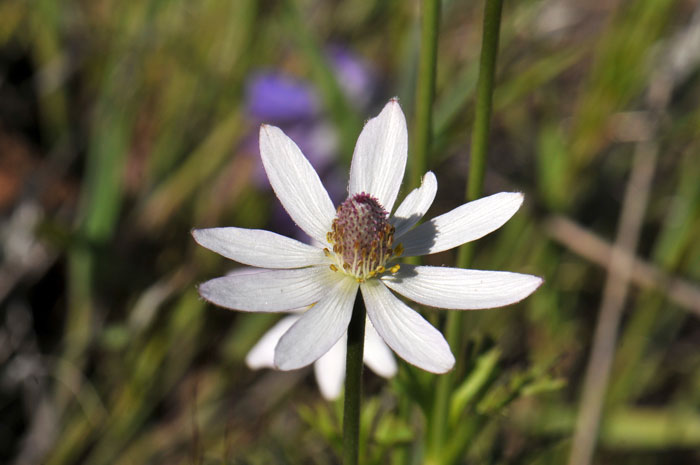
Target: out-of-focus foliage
[(124, 124)]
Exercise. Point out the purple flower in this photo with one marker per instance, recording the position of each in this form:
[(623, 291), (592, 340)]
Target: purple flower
[(276, 97)]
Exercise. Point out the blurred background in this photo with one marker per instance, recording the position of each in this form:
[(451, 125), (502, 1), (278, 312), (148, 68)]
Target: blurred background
[(125, 124)]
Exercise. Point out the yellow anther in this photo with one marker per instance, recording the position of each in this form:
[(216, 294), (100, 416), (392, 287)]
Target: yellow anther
[(333, 268), (399, 250), (395, 268), (381, 269), (326, 252)]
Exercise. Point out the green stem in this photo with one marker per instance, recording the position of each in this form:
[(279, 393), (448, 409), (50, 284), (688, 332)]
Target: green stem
[(484, 98), (425, 89), (475, 186), (423, 119), (353, 384)]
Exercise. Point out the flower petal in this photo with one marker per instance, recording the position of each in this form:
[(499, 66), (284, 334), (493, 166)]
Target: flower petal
[(378, 356), (269, 290), (379, 160), (415, 205), (295, 183), (262, 355), (330, 370), (318, 329), (463, 224), (405, 331), (257, 247), (460, 289)]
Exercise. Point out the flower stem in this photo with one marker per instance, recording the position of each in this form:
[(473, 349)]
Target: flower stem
[(425, 89), (484, 98), (475, 187), (353, 384)]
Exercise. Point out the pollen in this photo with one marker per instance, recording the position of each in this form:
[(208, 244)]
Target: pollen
[(361, 238)]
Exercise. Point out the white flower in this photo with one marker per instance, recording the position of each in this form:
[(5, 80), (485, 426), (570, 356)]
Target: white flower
[(359, 245)]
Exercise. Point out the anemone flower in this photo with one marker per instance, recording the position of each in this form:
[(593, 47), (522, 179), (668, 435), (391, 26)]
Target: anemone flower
[(357, 246)]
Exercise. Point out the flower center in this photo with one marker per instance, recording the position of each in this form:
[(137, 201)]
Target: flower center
[(362, 238)]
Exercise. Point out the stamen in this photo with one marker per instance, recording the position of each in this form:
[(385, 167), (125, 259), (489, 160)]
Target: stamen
[(361, 238)]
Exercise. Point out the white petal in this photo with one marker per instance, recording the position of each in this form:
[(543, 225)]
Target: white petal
[(330, 370), (295, 183), (379, 160), (246, 270), (270, 290), (461, 289), (415, 205), (250, 270), (405, 331), (262, 355), (318, 329), (378, 356), (256, 247), (463, 224)]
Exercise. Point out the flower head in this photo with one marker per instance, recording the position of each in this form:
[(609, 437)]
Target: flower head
[(357, 247), (361, 237)]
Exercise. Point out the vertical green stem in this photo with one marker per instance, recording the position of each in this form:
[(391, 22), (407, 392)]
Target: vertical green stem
[(423, 119), (353, 384), (425, 89), (475, 185), (484, 98)]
